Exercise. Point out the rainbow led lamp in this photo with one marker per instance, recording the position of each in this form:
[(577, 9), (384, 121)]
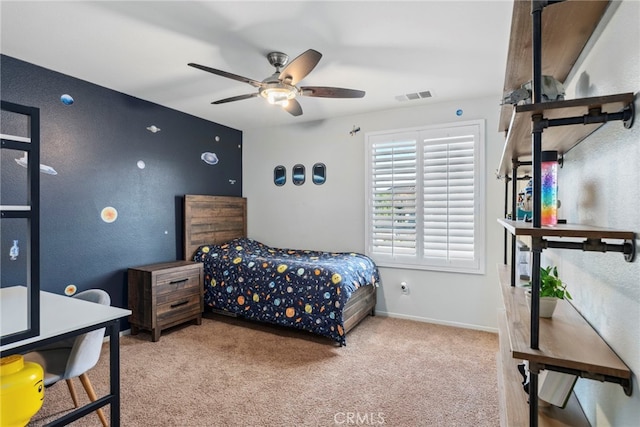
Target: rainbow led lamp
[(549, 190)]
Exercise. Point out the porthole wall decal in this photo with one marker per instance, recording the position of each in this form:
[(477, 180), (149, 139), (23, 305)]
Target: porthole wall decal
[(319, 173), (297, 175), (279, 175)]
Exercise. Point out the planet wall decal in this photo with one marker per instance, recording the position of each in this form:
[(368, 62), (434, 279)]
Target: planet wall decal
[(209, 158), (109, 214), (66, 99)]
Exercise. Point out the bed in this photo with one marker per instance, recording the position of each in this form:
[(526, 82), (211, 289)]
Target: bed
[(320, 292)]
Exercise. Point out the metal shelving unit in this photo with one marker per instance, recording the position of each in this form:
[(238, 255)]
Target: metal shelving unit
[(564, 125), (30, 212)]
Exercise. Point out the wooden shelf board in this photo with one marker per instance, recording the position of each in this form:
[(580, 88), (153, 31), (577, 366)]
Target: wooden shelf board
[(566, 340), (521, 228), (566, 28), (560, 138), (514, 407)]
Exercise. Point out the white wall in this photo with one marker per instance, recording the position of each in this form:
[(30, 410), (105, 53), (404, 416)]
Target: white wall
[(331, 216), (600, 185)]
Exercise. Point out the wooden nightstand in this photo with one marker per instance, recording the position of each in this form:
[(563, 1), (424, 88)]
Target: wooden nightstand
[(165, 295)]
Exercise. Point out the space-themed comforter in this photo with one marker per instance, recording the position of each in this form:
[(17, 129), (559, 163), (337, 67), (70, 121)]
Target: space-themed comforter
[(298, 288)]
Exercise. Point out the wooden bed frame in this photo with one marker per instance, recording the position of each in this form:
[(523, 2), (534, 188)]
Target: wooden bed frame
[(218, 219)]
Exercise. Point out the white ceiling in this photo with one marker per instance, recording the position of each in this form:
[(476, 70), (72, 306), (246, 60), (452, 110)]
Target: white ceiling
[(455, 49)]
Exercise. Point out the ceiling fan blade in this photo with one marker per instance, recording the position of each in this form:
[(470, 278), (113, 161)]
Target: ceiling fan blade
[(294, 108), (331, 92), (252, 82), (298, 69), (236, 98)]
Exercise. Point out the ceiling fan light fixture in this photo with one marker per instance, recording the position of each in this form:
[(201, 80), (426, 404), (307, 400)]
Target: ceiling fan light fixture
[(280, 87), (278, 93)]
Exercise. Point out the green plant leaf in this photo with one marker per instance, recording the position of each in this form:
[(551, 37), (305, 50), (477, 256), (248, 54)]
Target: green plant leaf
[(551, 285)]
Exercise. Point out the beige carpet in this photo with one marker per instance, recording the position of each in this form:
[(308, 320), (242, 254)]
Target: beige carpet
[(231, 372)]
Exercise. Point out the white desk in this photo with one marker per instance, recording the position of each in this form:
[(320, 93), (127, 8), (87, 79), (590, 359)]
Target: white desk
[(62, 317)]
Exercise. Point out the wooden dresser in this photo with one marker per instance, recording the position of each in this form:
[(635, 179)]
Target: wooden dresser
[(164, 295)]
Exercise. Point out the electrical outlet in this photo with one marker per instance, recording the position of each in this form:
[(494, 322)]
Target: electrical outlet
[(404, 287)]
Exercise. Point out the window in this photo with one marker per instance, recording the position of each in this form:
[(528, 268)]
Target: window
[(319, 173), (425, 193), (279, 175), (297, 175)]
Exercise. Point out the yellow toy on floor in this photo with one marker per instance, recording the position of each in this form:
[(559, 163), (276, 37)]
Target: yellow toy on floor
[(21, 390)]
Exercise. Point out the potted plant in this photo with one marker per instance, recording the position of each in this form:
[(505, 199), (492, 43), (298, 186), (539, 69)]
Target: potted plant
[(551, 290)]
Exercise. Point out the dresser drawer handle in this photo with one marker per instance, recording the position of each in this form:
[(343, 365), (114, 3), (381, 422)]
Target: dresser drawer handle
[(175, 282), (178, 304)]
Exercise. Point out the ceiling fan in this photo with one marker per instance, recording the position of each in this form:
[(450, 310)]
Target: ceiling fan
[(280, 87)]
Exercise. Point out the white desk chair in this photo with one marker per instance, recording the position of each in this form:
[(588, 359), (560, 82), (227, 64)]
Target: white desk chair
[(73, 357)]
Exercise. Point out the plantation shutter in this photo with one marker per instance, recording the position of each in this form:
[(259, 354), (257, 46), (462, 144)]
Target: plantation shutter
[(448, 175), (394, 172), (425, 193)]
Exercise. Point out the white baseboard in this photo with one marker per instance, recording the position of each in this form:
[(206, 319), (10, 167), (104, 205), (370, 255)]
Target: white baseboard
[(437, 322)]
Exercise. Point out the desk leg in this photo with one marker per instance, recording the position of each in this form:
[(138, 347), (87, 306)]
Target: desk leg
[(114, 372)]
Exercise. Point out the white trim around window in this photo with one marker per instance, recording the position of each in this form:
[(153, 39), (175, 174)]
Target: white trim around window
[(425, 197)]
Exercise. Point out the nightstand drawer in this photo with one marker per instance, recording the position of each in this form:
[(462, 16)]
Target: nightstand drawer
[(175, 311), (180, 281)]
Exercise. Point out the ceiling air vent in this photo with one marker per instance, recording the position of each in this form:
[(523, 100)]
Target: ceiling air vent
[(413, 96)]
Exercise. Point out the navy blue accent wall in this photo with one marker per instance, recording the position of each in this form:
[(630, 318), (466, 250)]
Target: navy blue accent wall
[(104, 156)]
